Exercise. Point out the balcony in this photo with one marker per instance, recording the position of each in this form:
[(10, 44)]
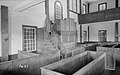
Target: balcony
[(100, 16)]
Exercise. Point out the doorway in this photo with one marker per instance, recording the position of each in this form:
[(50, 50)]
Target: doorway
[(84, 36), (102, 35)]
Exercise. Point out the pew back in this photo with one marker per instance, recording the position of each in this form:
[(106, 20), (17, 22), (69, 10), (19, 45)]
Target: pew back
[(30, 65), (69, 65)]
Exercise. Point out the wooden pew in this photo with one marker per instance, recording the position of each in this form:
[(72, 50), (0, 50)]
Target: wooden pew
[(95, 67), (70, 65), (30, 65), (24, 54)]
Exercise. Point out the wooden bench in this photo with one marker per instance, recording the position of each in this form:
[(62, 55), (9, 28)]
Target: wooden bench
[(71, 65)]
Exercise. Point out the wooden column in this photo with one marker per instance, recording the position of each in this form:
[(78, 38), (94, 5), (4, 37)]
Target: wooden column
[(68, 14), (116, 3), (88, 7), (116, 32), (88, 33), (47, 15), (80, 7), (81, 33), (80, 25), (47, 20), (4, 33)]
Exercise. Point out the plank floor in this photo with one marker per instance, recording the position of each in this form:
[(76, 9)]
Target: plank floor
[(116, 72)]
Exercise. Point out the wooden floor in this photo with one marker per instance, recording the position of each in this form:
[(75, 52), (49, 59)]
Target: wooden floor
[(116, 72)]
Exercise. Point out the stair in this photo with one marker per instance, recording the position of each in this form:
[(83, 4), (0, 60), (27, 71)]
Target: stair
[(51, 41)]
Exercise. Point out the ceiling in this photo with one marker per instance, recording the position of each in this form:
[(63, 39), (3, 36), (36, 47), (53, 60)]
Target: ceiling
[(15, 4), (89, 1), (10, 3), (19, 5)]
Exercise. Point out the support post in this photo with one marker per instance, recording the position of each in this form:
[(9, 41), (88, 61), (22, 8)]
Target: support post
[(68, 14), (88, 33), (47, 15), (80, 25), (4, 33), (116, 32)]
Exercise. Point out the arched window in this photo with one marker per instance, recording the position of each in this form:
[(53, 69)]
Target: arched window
[(58, 10)]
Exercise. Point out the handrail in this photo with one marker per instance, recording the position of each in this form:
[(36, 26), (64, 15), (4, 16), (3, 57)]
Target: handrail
[(50, 38), (61, 44), (100, 16)]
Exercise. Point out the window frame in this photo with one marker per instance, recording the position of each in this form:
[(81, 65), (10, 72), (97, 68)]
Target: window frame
[(55, 10), (84, 12), (24, 39), (85, 36), (102, 4), (74, 6), (102, 36)]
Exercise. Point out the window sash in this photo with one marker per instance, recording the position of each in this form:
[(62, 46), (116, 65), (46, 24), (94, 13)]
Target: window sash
[(102, 6), (58, 11), (84, 9), (74, 5), (29, 38)]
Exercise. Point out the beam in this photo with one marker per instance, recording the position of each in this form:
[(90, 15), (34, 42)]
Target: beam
[(27, 4), (74, 12), (31, 6)]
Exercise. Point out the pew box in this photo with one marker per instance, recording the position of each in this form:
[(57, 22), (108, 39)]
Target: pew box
[(72, 65)]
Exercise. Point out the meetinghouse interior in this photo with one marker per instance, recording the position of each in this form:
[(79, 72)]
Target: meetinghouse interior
[(59, 37)]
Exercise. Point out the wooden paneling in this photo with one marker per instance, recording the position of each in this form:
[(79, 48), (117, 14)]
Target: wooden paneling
[(40, 34), (5, 66), (4, 33), (30, 65), (21, 66), (106, 15), (13, 57), (40, 37), (75, 62), (67, 24), (82, 61), (110, 61), (24, 54), (85, 18), (96, 67), (97, 16)]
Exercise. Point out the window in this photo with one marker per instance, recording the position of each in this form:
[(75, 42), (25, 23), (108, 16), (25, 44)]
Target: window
[(58, 11), (84, 9), (102, 35), (74, 5), (102, 6), (29, 38)]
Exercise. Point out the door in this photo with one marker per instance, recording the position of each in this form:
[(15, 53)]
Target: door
[(102, 35), (84, 36)]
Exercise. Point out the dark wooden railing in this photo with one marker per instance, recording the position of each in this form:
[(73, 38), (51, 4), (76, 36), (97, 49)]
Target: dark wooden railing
[(100, 16)]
